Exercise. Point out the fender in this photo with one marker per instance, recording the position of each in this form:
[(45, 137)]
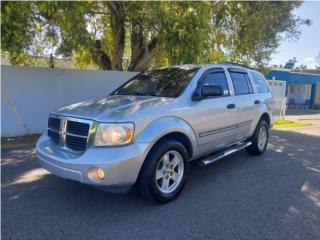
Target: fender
[(263, 108), (163, 126)]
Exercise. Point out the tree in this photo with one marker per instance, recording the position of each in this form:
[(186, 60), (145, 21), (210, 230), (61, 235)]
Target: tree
[(302, 67), (145, 34), (291, 63)]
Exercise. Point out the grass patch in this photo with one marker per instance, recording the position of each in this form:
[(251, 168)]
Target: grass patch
[(286, 123), (25, 139)]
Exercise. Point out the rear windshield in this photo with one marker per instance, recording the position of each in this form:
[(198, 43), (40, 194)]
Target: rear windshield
[(165, 82)]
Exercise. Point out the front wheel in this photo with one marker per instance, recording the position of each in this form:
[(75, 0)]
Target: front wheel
[(164, 172), (259, 139)]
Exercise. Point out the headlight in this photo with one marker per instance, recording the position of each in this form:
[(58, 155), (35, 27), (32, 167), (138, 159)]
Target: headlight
[(113, 134)]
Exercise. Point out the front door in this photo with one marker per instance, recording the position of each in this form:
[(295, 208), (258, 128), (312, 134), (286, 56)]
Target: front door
[(215, 117)]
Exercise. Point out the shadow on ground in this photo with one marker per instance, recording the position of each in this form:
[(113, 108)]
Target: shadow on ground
[(274, 196)]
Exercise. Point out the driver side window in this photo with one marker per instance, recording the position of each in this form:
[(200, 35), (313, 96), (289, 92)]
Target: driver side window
[(217, 78)]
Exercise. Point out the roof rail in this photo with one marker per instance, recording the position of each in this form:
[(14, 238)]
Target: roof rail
[(236, 64)]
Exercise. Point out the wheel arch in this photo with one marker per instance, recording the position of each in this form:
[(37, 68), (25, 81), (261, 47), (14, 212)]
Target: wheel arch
[(265, 116), (179, 137), (169, 127)]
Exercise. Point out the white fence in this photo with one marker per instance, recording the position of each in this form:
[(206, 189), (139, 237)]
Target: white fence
[(278, 89), (279, 108), (29, 94)]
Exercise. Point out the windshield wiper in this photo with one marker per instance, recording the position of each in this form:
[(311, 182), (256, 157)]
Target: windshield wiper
[(134, 94)]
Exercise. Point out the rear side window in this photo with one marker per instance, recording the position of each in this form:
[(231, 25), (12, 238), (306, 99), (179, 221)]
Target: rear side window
[(217, 78), (260, 82), (241, 83)]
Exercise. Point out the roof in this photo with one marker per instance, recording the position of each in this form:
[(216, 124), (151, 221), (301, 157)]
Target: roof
[(310, 71), (293, 77), (220, 64)]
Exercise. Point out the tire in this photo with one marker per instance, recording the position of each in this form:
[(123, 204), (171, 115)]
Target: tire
[(156, 185), (258, 147)]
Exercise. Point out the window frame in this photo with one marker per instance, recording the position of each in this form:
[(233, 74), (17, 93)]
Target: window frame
[(200, 82), (247, 78)]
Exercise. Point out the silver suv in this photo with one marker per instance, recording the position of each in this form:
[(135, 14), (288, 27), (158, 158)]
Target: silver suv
[(147, 131)]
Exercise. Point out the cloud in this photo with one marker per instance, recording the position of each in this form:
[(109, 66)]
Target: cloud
[(308, 59)]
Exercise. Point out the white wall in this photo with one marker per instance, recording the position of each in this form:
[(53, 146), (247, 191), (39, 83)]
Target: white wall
[(35, 92)]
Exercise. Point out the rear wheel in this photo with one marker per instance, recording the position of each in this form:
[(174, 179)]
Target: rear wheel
[(259, 139), (164, 172)]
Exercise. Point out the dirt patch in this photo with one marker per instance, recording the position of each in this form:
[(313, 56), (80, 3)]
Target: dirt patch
[(29, 139)]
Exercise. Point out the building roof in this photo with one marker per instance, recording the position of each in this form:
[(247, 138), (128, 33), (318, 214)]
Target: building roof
[(293, 77), (311, 71)]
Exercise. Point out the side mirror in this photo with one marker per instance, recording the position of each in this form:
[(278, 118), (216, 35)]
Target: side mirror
[(208, 90)]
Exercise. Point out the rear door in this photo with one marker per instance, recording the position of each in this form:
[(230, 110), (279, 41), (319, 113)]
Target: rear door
[(245, 101)]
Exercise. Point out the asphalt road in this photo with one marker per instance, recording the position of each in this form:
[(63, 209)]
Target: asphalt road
[(275, 196)]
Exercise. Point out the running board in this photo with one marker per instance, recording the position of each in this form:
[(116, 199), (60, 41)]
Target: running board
[(224, 153)]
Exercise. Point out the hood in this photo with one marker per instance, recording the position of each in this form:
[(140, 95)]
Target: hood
[(112, 108)]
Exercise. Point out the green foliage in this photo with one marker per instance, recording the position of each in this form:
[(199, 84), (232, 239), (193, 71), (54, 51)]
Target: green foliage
[(16, 38), (156, 33), (290, 64), (185, 31)]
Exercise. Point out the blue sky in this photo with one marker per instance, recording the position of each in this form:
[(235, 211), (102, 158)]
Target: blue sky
[(307, 47)]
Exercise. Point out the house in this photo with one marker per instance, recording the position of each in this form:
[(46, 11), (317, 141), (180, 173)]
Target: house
[(302, 87)]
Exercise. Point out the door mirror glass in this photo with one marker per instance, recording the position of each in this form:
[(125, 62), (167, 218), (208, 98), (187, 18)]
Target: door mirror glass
[(211, 90)]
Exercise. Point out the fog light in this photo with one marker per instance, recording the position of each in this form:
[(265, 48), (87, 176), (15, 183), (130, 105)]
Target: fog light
[(100, 173), (96, 174)]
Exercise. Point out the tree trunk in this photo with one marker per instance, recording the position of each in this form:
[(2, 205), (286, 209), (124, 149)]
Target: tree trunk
[(117, 16), (100, 57), (141, 53)]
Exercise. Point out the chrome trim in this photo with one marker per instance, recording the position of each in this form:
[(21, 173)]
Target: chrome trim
[(92, 133), (242, 124), (212, 159), (220, 130), (73, 135), (63, 127), (54, 130)]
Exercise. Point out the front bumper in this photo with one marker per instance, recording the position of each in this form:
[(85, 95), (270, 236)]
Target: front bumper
[(120, 164)]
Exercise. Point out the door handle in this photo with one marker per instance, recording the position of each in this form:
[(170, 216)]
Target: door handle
[(256, 102), (230, 106)]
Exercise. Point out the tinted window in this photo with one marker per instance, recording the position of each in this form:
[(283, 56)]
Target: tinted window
[(241, 83), (165, 82), (218, 78), (260, 82)]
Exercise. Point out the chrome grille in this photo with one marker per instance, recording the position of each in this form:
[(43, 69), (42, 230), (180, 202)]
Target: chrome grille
[(76, 143), (78, 128), (55, 136), (69, 133), (54, 123)]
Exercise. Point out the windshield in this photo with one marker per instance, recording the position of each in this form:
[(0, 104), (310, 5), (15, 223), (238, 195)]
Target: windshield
[(165, 82)]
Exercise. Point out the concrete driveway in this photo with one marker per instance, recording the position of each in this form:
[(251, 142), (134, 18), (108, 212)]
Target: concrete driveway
[(275, 196)]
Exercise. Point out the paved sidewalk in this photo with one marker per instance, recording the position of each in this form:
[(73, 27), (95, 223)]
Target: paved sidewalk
[(304, 116)]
